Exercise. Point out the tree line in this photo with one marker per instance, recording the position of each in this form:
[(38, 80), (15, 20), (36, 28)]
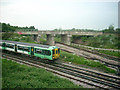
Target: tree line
[(111, 30), (10, 28)]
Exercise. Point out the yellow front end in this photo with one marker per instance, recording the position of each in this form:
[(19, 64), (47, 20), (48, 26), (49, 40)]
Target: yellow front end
[(56, 53)]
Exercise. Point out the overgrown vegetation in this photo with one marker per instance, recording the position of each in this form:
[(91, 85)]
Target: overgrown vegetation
[(22, 38), (111, 30), (68, 57), (110, 41), (16, 37), (15, 75), (57, 38)]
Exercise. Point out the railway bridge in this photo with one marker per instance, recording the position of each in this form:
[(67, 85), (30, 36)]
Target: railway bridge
[(65, 35)]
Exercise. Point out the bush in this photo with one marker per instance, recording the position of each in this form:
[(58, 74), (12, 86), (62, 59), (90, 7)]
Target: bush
[(102, 41)]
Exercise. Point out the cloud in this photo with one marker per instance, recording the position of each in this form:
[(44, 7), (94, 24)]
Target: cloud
[(50, 14)]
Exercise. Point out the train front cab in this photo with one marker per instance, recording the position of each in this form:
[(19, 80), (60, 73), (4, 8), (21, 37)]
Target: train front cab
[(55, 53)]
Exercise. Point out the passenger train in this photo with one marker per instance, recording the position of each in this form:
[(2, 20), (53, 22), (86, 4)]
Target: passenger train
[(37, 50)]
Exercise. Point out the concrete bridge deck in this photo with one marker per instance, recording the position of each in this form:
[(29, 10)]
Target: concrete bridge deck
[(65, 35)]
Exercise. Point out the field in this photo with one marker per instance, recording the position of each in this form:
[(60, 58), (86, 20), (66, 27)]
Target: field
[(68, 57), (15, 75)]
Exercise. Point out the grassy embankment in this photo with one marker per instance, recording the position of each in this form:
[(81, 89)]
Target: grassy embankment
[(110, 41), (68, 57), (15, 75)]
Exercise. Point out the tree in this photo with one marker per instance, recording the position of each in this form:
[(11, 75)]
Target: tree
[(7, 35), (31, 27), (7, 28), (118, 30), (60, 29), (55, 29), (111, 28), (73, 29)]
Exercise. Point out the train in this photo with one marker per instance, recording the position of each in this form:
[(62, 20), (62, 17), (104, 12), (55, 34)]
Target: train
[(45, 52)]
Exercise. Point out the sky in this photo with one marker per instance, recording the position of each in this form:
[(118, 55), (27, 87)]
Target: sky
[(64, 14)]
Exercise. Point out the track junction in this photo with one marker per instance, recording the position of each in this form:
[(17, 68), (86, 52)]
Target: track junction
[(77, 74)]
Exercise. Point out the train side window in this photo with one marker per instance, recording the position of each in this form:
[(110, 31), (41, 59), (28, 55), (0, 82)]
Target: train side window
[(43, 52), (47, 52), (38, 51), (9, 45), (26, 49), (3, 44), (20, 48)]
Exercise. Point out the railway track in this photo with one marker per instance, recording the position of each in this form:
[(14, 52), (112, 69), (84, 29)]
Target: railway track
[(91, 78), (84, 46), (89, 55), (95, 52)]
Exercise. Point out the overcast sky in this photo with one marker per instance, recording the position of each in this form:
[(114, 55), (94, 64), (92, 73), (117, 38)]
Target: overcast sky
[(65, 14)]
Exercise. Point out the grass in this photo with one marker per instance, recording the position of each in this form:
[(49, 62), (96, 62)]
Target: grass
[(68, 57), (113, 53), (15, 75)]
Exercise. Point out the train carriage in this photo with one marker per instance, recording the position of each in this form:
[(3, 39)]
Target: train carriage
[(43, 53), (37, 50), (23, 49), (9, 46)]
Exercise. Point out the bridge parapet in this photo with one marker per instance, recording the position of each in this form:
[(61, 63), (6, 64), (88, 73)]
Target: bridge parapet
[(30, 33), (64, 32)]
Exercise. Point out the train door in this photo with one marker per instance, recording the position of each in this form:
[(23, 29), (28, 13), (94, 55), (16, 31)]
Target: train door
[(15, 48), (32, 50)]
